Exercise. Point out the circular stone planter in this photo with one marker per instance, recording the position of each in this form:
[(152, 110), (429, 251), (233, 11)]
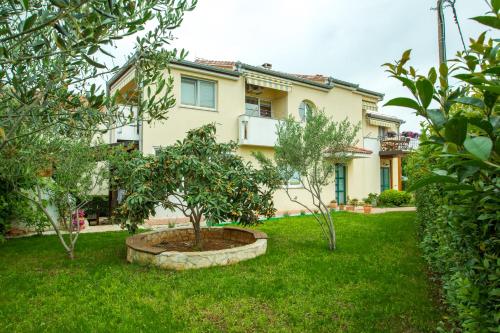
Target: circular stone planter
[(143, 249)]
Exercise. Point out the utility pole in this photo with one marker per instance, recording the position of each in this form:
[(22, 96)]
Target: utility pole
[(441, 32)]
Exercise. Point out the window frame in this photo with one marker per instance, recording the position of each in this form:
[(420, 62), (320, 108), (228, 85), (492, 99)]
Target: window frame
[(306, 103), (259, 100), (197, 96), (299, 180)]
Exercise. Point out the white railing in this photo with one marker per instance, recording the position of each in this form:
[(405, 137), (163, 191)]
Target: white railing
[(128, 132), (257, 131), (398, 143)]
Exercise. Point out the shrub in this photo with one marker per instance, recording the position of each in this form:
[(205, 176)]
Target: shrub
[(354, 202), (455, 173), (394, 198), (372, 199)]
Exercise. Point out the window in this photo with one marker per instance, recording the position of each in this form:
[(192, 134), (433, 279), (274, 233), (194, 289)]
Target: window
[(382, 132), (198, 93), (295, 179), (258, 107), (305, 108)]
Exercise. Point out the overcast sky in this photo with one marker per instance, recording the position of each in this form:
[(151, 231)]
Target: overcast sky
[(345, 39)]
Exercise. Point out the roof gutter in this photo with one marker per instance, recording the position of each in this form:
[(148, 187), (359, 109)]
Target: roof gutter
[(236, 73)]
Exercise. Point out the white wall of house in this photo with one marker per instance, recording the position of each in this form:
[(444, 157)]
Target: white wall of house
[(340, 102)]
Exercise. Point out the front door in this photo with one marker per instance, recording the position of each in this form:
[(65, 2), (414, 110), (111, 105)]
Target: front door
[(385, 178), (340, 183)]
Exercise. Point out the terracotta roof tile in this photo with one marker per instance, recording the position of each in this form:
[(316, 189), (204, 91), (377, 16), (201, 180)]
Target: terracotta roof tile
[(231, 64), (316, 77), (359, 150), (216, 63)]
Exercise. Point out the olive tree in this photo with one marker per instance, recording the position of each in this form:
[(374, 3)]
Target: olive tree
[(53, 54), (312, 150), (201, 178), (67, 174)]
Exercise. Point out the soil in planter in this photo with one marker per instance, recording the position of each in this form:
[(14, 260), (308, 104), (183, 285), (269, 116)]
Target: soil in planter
[(207, 245)]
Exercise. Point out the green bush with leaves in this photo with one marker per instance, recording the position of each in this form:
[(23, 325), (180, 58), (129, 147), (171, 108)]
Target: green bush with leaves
[(394, 198), (199, 177), (455, 174)]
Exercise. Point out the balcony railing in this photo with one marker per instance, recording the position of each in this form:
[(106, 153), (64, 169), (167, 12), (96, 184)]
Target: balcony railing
[(130, 131), (127, 133), (257, 131), (398, 144)]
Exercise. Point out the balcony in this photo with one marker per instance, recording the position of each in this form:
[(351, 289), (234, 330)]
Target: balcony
[(128, 131), (257, 131), (397, 145)]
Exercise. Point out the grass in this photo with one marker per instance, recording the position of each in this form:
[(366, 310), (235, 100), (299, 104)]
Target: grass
[(374, 282)]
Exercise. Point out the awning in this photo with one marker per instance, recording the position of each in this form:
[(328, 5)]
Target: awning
[(382, 123), (267, 81), (124, 80)]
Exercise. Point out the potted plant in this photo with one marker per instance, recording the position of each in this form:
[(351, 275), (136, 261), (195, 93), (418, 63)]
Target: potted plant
[(79, 220), (351, 205), (342, 206), (367, 207), (333, 204), (372, 199)]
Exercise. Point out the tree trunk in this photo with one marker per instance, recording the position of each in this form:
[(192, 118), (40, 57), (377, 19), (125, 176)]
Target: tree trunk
[(71, 253), (197, 234), (332, 239)]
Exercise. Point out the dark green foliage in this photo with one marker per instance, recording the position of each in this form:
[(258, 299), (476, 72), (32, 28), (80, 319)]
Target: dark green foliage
[(97, 205), (394, 198), (375, 282), (52, 53), (455, 175), (198, 176), (15, 208), (372, 199)]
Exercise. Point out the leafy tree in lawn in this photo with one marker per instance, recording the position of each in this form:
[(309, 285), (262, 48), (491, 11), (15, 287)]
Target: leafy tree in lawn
[(458, 165), (53, 51), (65, 172), (202, 179), (312, 150)]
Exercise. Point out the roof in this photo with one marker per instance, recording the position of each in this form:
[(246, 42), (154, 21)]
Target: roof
[(381, 116), (352, 150), (234, 68), (217, 63), (359, 150), (324, 81)]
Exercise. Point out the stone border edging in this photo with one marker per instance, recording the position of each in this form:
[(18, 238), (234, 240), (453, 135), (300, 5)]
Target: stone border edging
[(141, 249)]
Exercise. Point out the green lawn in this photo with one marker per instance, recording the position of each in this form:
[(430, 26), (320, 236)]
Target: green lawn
[(374, 282)]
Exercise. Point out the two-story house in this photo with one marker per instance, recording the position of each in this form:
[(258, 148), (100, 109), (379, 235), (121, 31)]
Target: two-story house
[(248, 101)]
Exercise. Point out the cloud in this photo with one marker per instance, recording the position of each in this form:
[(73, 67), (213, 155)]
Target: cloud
[(345, 39)]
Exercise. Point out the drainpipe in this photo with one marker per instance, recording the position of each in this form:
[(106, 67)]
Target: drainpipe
[(441, 32)]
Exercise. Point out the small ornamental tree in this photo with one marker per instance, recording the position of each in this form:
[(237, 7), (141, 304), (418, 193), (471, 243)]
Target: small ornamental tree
[(201, 178), (62, 174), (312, 150)]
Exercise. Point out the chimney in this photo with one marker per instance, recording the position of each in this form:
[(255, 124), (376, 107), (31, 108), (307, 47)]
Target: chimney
[(267, 65)]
